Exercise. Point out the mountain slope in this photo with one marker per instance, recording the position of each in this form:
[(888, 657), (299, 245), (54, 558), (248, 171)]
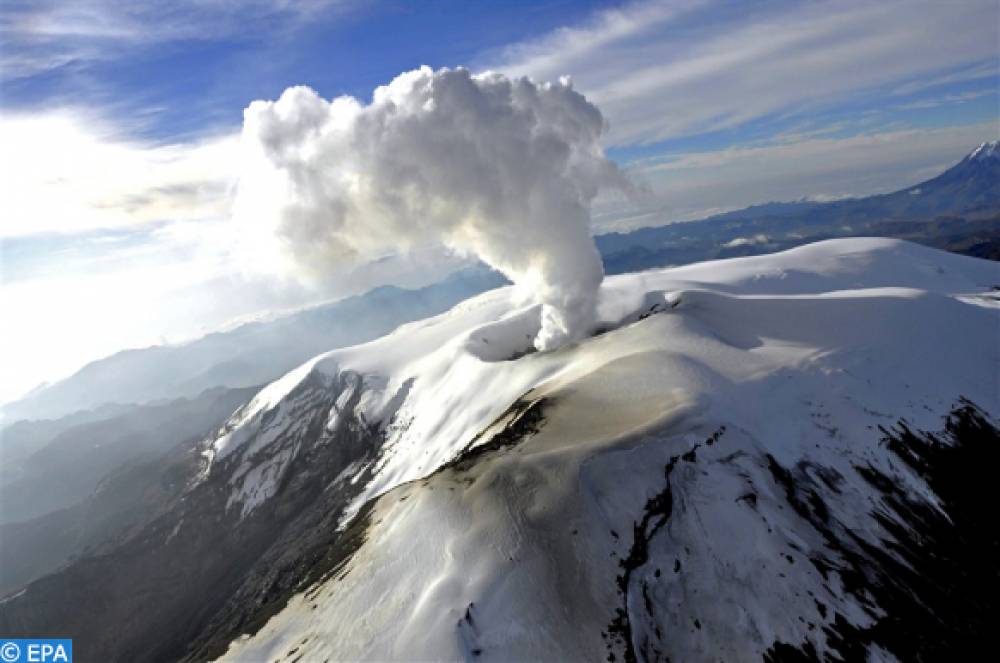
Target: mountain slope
[(97, 481), (971, 185), (722, 471), (68, 467)]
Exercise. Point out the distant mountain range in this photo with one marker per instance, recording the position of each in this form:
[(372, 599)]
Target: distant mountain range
[(251, 354), (74, 484), (958, 211)]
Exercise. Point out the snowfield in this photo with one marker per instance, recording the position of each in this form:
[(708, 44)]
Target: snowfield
[(680, 485)]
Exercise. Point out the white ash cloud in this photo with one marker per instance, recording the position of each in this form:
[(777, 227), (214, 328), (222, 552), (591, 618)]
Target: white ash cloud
[(503, 169)]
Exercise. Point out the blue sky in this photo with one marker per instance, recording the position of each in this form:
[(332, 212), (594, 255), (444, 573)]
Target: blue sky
[(120, 125), (189, 68)]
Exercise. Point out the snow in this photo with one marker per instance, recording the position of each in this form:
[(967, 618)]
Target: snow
[(747, 241), (990, 150), (255, 483), (459, 381), (800, 355), (249, 419)]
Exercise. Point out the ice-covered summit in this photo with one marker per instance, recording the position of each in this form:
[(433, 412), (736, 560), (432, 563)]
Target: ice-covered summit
[(988, 150)]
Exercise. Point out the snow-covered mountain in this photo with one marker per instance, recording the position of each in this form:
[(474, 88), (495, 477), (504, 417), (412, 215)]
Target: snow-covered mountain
[(986, 151), (775, 456), (971, 184)]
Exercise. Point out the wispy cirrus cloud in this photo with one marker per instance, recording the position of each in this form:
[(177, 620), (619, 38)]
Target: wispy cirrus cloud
[(982, 71), (944, 100), (41, 35), (661, 70)]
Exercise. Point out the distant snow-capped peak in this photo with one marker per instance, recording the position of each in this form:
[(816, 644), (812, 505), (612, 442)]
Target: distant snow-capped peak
[(989, 150)]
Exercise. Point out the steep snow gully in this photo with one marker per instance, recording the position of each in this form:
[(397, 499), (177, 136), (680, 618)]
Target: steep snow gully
[(782, 457)]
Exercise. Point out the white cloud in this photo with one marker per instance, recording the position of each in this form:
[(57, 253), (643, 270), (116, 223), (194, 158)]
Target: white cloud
[(947, 99), (701, 183), (660, 70), (978, 72), (560, 52), (67, 171), (499, 168)]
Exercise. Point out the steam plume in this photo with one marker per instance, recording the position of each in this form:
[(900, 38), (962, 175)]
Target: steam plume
[(504, 169)]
